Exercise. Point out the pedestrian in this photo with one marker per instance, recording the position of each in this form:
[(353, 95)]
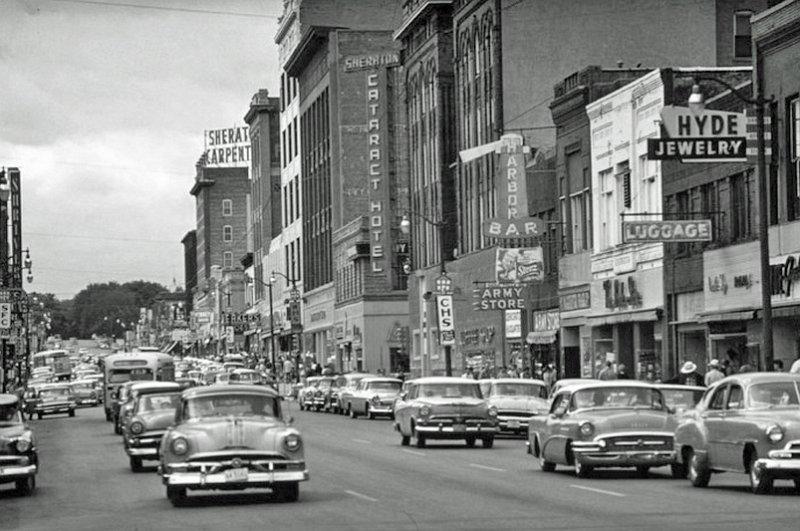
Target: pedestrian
[(622, 372), (607, 372), (795, 368), (469, 373), (777, 366), (745, 368), (714, 374), (689, 374), (549, 375)]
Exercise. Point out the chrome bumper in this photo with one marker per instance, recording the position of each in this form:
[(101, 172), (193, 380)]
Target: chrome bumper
[(591, 454), (201, 480), (512, 423), (778, 465), (141, 452), (53, 409), (17, 471), (450, 431), (381, 410)]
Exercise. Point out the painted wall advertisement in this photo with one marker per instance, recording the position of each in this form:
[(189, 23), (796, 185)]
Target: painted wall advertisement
[(519, 265), (628, 292), (731, 278), (513, 319)]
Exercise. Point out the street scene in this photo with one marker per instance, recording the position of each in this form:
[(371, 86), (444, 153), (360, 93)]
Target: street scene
[(399, 264)]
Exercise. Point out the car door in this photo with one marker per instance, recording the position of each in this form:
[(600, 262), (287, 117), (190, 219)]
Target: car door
[(551, 437), (714, 421), (731, 446)]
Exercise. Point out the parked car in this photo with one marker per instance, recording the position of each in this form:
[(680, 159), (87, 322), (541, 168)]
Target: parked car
[(374, 396), (53, 399), (120, 398), (681, 397), (445, 408), (232, 437), (84, 393), (618, 423), (152, 413), (19, 461), (245, 376), (516, 400), (345, 385), (747, 423), (319, 395), (305, 396)]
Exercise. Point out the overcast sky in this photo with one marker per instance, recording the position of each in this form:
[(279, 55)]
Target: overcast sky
[(103, 109)]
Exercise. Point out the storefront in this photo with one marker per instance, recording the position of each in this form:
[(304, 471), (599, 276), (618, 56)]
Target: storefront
[(575, 336), (543, 339), (318, 324)]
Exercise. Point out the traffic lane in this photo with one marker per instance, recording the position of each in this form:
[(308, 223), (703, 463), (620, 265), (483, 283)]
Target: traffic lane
[(631, 495)]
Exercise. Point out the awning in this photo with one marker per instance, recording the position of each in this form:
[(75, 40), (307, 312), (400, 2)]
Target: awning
[(740, 315), (544, 337), (780, 311), (623, 317)]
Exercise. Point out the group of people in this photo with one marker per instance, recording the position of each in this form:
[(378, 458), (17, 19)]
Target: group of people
[(546, 372)]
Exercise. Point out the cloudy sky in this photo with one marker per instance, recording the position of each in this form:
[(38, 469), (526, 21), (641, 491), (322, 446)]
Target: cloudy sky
[(103, 107)]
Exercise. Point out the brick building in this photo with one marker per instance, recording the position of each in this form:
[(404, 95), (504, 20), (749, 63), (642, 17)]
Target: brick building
[(189, 242)]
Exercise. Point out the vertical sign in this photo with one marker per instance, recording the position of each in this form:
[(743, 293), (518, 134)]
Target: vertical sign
[(444, 311), (16, 226), (513, 324), (377, 156)]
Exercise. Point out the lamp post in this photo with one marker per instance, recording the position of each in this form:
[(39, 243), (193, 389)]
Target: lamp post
[(405, 228), (294, 300), (697, 102)]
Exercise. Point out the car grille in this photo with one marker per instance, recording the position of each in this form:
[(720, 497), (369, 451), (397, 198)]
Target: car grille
[(522, 415), (639, 442), (447, 420), (217, 462)]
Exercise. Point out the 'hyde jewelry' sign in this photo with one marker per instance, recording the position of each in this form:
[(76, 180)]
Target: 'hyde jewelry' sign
[(700, 136)]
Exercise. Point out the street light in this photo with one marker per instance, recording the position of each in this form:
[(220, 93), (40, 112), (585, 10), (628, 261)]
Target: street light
[(696, 101), (295, 297)]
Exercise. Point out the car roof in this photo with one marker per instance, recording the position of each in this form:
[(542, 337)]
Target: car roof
[(605, 384), (209, 390), (381, 379), (678, 387), (8, 399), (444, 380), (749, 378), (155, 387), (515, 380)]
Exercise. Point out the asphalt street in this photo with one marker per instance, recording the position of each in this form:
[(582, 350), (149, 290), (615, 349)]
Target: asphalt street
[(361, 478)]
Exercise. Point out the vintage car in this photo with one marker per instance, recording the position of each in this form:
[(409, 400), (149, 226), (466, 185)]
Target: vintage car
[(618, 423), (245, 376), (305, 396), (681, 397), (343, 387), (374, 396), (516, 400), (121, 397), (319, 396), (53, 399), (445, 407), (84, 393), (153, 412), (19, 461), (232, 437), (747, 423), (566, 382)]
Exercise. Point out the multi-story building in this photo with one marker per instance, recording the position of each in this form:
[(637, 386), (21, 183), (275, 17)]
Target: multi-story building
[(189, 242)]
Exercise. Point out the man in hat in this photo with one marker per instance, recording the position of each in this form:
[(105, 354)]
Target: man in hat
[(607, 373), (714, 374), (689, 374)]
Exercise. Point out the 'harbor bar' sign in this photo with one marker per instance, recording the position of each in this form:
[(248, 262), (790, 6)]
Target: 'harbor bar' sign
[(695, 230)]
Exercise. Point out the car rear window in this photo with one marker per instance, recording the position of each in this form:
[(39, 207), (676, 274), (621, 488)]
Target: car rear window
[(774, 395)]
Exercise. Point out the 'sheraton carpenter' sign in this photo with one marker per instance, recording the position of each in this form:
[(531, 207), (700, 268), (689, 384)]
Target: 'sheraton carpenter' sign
[(666, 231)]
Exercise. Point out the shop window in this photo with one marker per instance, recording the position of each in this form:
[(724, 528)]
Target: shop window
[(742, 46)]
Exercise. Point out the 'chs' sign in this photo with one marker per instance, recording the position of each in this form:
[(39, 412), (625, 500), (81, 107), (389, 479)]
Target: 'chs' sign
[(705, 136), (667, 231)]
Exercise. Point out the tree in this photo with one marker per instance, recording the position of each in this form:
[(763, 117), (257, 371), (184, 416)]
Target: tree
[(110, 308)]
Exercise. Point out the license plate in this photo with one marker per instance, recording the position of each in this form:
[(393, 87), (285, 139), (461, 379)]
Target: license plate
[(459, 427), (236, 474), (513, 424)]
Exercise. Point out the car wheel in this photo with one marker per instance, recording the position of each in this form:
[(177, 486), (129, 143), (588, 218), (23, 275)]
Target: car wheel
[(71, 412), (470, 442), (176, 495), (678, 470), (352, 411), (760, 482), (698, 471), (544, 464), (642, 471), (136, 464), (287, 492), (405, 440), (488, 442), (26, 486), (581, 470)]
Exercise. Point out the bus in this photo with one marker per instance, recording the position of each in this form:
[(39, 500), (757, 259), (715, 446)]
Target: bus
[(126, 366), (58, 360)]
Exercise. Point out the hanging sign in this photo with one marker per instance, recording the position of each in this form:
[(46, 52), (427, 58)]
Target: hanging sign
[(519, 265), (700, 136), (444, 311), (675, 230)]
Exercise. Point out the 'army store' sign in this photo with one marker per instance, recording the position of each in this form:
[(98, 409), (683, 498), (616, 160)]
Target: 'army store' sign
[(499, 297)]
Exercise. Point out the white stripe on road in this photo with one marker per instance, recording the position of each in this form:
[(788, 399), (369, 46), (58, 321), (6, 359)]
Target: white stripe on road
[(359, 495), (484, 467), (362, 441), (601, 491), (414, 452)]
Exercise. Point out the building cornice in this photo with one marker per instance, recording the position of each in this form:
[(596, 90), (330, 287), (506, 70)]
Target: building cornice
[(200, 184), (311, 41), (422, 9)]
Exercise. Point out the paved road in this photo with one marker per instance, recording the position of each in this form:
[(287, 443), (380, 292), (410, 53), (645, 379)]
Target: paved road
[(361, 478)]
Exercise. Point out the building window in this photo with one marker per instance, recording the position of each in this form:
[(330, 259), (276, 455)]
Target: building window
[(227, 207), (607, 209), (742, 47), (793, 158), (227, 234), (227, 260), (624, 182), (742, 190)]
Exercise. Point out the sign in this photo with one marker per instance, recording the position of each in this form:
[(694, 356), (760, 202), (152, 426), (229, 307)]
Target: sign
[(353, 63), (666, 231), (444, 284), (519, 265), (546, 321), (227, 148), (513, 228), (377, 155), (499, 297), (704, 136), (444, 312), (5, 315), (621, 294), (721, 266), (513, 322), (579, 300), (229, 334)]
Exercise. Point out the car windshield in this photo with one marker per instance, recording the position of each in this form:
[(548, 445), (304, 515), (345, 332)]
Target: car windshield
[(449, 390), (385, 386), (126, 375), (83, 387), (518, 389), (59, 392), (617, 398), (682, 398), (247, 376), (9, 414), (231, 404), (324, 384), (150, 403), (774, 395)]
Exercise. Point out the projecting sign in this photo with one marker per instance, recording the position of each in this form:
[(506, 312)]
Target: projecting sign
[(499, 297), (444, 311), (519, 265), (227, 148), (702, 136), (666, 231), (5, 315), (513, 324)]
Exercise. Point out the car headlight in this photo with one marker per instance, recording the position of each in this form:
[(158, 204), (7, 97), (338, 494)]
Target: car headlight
[(492, 411), (136, 427), (292, 442), (424, 411), (587, 429), (180, 446), (775, 433), (23, 444), (376, 399)]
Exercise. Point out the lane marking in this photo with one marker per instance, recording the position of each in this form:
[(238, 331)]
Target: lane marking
[(484, 467), (600, 491), (359, 495), (362, 441), (414, 452)]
